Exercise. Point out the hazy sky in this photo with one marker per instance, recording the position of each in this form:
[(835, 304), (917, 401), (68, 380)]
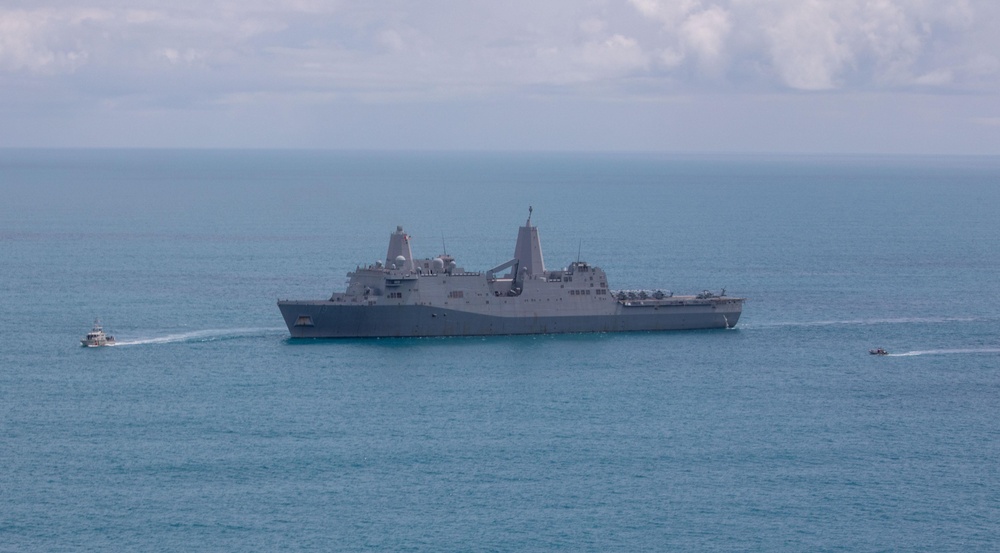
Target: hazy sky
[(881, 76)]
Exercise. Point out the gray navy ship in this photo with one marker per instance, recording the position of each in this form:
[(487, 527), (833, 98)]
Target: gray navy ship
[(403, 296)]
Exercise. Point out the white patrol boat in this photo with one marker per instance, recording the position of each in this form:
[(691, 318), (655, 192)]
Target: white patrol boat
[(96, 337)]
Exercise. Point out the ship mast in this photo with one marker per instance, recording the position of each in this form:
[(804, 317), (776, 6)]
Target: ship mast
[(528, 251)]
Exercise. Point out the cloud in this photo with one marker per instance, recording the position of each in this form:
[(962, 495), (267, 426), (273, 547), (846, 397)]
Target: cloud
[(824, 44), (616, 53), (34, 40), (705, 33), (982, 65), (396, 49), (669, 13), (806, 46), (692, 31), (934, 78), (187, 56), (50, 40), (391, 40)]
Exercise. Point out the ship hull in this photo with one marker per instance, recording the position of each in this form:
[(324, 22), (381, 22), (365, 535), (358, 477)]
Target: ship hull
[(328, 319)]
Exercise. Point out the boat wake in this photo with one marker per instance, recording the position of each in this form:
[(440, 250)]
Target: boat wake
[(205, 336), (945, 352), (866, 322)]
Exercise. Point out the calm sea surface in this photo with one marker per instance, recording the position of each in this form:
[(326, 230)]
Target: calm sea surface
[(208, 429)]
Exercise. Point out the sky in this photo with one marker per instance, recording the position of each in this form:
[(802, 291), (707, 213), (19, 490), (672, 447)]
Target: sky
[(686, 76)]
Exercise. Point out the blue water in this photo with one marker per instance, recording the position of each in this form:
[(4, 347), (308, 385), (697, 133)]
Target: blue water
[(207, 429)]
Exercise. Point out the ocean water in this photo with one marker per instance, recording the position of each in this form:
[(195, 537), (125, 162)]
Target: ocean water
[(208, 429)]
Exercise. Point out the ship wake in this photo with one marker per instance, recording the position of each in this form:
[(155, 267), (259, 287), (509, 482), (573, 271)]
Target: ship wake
[(871, 322), (208, 335), (945, 352)]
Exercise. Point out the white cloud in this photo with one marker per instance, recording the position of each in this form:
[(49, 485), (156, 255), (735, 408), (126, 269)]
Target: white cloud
[(955, 13), (671, 57), (391, 40), (934, 78), (211, 63), (184, 56), (33, 40), (139, 17), (824, 44), (615, 53), (807, 47), (593, 26), (51, 40), (983, 65), (670, 13), (705, 33), (396, 48)]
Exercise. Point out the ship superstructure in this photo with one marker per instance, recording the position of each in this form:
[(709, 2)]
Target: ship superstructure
[(403, 296)]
